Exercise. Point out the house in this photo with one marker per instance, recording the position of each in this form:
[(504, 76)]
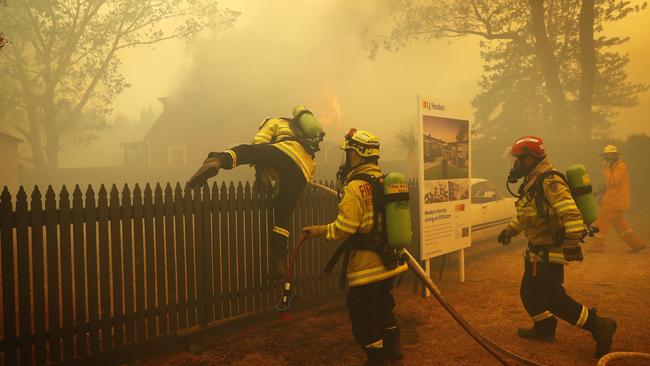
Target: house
[(9, 160), (433, 148)]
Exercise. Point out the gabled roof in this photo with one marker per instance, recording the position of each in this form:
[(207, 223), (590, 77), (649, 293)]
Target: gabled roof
[(7, 137)]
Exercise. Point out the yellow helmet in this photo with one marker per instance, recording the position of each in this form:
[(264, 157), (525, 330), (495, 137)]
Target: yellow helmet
[(610, 149), (363, 142)]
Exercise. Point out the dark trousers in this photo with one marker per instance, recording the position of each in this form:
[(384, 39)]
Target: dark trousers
[(544, 292), (371, 311), (291, 181)]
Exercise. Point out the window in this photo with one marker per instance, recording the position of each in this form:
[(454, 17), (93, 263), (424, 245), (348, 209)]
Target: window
[(483, 192), (176, 155)]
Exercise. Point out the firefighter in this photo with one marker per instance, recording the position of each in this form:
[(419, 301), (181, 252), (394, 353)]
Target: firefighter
[(552, 223), (280, 150), (615, 200), (368, 264)]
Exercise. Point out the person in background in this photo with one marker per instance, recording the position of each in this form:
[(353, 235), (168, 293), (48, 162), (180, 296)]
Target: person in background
[(613, 203)]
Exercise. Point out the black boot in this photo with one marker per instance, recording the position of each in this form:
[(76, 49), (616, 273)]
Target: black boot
[(392, 344), (602, 329), (543, 331), (277, 256), (376, 357)]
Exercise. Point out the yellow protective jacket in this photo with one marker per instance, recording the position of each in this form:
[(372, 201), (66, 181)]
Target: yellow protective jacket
[(617, 188), (356, 215), (563, 216), (276, 131)]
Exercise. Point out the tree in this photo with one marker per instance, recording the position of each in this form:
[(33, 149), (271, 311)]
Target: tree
[(542, 66), (407, 141), (61, 67)]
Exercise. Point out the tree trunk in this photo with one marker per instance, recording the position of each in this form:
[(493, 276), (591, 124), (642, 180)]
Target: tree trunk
[(546, 57), (588, 69), (52, 149), (34, 139)]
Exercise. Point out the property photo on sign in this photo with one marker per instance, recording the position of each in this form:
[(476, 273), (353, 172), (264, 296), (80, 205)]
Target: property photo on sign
[(445, 148)]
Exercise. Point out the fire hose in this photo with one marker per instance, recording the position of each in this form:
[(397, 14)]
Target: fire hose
[(494, 349), (488, 345)]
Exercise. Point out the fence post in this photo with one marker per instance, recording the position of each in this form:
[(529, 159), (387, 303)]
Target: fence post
[(116, 255), (127, 215)]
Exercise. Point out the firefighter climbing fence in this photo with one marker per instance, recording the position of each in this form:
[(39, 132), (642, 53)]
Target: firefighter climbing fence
[(88, 272)]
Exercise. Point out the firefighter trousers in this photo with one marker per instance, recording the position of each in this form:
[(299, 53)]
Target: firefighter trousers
[(291, 183), (544, 297), (371, 312), (614, 218)]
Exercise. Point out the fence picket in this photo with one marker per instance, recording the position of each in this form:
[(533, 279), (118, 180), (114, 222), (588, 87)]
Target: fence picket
[(256, 249), (225, 250), (92, 277), (232, 250), (127, 252), (241, 250), (204, 255), (65, 217), (79, 271), (104, 268), (249, 247), (8, 294), (189, 256), (150, 262), (51, 221), (216, 299), (139, 256), (116, 267), (199, 261), (264, 247), (159, 248), (38, 277), (25, 319), (171, 268), (180, 257)]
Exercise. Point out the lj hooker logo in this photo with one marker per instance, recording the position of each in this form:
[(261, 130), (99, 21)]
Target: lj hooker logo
[(432, 106)]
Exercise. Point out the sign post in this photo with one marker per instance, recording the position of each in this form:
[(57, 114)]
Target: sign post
[(444, 175)]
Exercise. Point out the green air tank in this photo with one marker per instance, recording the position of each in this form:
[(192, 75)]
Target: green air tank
[(306, 121), (397, 213), (580, 186)]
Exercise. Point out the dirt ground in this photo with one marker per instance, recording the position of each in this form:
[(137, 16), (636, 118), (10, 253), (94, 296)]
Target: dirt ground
[(616, 282)]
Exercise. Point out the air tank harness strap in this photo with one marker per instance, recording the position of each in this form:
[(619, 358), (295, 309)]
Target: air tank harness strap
[(344, 250)]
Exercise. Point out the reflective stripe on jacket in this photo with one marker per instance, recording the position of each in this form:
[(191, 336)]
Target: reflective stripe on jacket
[(563, 221), (356, 214), (273, 131)]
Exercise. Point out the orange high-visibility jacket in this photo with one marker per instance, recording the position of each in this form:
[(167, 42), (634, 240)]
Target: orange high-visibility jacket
[(617, 187)]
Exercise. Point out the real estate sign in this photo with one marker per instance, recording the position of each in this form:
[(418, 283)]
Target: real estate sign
[(444, 177)]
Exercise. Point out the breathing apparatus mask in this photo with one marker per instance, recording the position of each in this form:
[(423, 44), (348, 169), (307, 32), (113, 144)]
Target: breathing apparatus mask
[(520, 170)]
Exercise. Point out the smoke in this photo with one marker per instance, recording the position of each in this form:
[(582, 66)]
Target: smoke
[(312, 53)]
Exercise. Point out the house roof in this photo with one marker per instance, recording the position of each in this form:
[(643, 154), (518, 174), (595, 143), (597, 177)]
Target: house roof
[(7, 137)]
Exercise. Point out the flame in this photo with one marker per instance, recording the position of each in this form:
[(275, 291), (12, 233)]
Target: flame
[(328, 110)]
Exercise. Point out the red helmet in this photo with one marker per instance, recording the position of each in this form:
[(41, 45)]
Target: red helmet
[(528, 145)]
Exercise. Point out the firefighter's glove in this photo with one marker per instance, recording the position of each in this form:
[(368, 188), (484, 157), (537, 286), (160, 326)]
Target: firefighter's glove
[(209, 169), (572, 251), (312, 232), (505, 237)]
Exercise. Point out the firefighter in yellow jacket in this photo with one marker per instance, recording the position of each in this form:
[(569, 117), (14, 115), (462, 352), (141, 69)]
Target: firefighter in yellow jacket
[(281, 150), (368, 263), (615, 200), (550, 219)]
